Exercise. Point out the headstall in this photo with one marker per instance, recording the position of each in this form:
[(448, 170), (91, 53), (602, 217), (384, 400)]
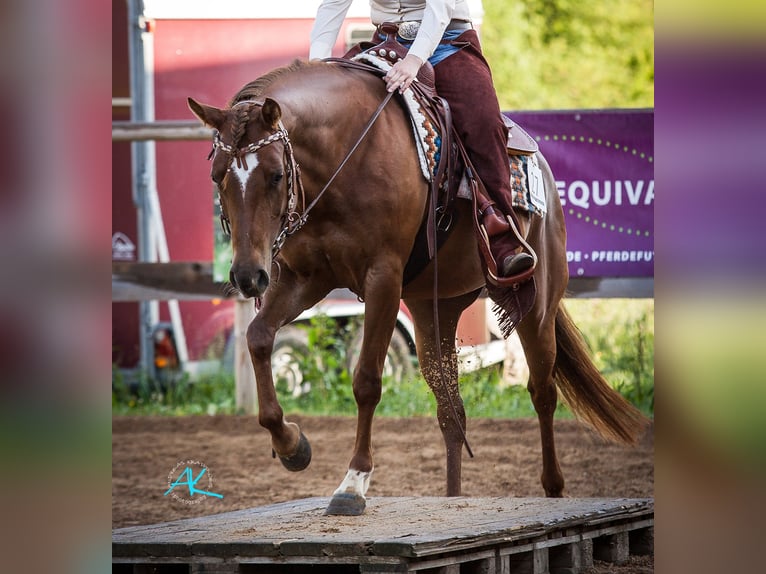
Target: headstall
[(291, 221)]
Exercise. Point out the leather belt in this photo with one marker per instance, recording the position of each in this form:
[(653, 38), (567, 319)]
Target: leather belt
[(409, 30)]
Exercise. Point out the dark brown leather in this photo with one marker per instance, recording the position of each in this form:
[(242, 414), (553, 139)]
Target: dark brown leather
[(392, 51), (493, 222), (488, 224), (519, 141)]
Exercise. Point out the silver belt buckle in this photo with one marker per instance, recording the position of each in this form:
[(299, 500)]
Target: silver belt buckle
[(408, 30)]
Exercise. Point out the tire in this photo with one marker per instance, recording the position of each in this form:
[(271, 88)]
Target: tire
[(399, 364), (291, 351)]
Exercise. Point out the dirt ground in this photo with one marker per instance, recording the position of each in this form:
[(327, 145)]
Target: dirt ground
[(409, 460)]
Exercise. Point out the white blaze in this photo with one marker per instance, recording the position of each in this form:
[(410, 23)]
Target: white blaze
[(251, 160)]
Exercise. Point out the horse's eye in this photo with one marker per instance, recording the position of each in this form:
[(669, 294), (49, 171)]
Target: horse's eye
[(276, 178), (218, 176)]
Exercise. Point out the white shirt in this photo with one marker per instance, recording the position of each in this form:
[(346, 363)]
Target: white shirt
[(434, 16)]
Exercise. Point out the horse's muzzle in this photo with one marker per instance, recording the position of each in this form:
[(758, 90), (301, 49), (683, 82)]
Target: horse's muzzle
[(249, 282)]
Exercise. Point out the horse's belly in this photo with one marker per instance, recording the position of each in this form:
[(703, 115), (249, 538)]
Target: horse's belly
[(458, 263)]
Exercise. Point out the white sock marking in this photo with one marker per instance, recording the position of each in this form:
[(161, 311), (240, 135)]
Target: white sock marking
[(356, 482)]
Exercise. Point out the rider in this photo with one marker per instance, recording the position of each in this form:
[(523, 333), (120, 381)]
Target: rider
[(463, 78)]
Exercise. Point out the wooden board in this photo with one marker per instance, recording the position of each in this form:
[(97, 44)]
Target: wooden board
[(412, 532), (137, 281)]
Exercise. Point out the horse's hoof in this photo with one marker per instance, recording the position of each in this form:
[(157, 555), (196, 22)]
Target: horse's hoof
[(301, 458), (346, 504)]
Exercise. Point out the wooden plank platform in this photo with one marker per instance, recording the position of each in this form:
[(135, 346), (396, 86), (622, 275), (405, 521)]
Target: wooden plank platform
[(397, 534)]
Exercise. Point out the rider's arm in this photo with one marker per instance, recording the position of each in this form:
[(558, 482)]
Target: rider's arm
[(436, 17), (329, 19)]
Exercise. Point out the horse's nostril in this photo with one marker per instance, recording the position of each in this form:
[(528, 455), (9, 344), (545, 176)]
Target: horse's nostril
[(262, 280), (249, 283)]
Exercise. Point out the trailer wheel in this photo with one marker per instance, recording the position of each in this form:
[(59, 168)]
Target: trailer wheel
[(291, 351)]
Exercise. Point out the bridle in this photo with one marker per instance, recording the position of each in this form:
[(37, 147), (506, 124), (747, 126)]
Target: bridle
[(292, 221)]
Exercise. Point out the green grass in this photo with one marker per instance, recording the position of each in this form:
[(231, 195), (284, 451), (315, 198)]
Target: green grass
[(211, 394), (620, 334)]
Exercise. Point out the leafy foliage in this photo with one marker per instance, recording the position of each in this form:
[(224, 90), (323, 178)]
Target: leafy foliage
[(570, 54), (621, 335), (325, 370), (211, 394), (619, 332)]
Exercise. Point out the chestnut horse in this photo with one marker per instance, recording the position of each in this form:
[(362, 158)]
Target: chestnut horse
[(277, 145)]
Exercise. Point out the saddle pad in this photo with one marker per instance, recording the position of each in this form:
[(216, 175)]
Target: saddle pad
[(427, 138), (527, 184)]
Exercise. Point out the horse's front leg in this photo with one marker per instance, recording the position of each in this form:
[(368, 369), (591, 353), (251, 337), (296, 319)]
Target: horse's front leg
[(381, 307), (281, 305), (287, 440)]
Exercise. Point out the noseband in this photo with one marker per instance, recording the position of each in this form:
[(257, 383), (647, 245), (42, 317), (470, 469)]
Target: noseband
[(291, 220)]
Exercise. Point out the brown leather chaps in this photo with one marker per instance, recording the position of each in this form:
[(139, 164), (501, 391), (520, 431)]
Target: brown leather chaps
[(464, 79)]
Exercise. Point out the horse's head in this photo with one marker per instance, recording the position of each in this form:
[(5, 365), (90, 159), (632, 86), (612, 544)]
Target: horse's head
[(254, 172)]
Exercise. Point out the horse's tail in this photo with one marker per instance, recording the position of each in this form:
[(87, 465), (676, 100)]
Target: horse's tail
[(586, 391)]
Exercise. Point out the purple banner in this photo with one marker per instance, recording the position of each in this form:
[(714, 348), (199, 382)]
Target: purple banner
[(603, 163)]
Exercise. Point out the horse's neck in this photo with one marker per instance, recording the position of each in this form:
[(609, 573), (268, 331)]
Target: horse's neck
[(322, 122)]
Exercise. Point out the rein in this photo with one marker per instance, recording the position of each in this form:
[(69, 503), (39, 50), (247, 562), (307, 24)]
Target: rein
[(301, 220)]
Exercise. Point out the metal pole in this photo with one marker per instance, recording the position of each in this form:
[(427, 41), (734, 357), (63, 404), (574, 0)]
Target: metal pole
[(244, 377), (152, 243), (142, 94), (169, 130)]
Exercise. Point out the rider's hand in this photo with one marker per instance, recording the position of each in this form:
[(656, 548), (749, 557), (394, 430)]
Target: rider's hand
[(403, 73)]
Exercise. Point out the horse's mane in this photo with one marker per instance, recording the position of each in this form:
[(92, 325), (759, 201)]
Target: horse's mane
[(254, 89)]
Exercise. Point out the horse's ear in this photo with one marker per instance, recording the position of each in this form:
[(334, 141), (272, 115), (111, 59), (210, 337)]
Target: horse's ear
[(208, 115), (271, 113)]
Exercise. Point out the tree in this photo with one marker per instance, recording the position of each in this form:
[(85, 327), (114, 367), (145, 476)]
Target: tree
[(570, 54)]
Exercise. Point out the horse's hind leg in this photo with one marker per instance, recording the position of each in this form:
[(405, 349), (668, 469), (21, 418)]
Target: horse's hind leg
[(443, 380), (537, 335), (537, 331)]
